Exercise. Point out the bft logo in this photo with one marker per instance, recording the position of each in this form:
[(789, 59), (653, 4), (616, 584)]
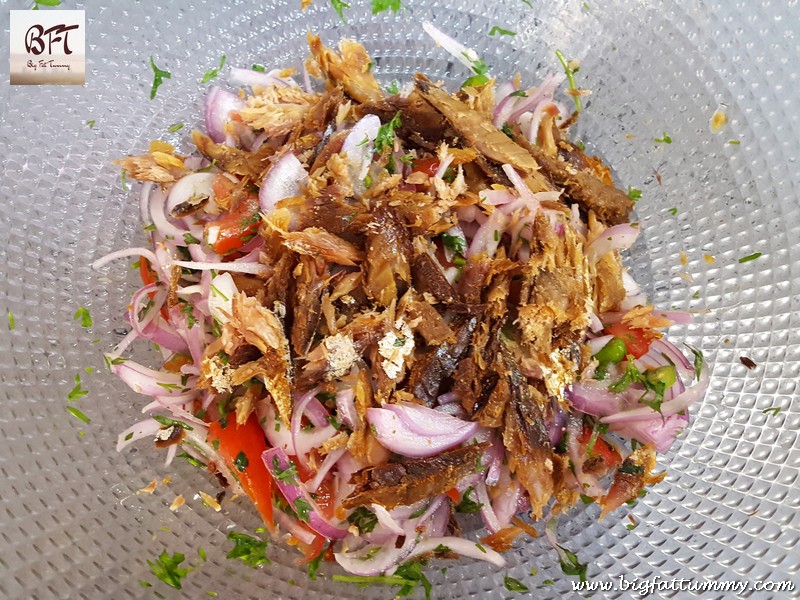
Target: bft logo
[(35, 38), (48, 47)]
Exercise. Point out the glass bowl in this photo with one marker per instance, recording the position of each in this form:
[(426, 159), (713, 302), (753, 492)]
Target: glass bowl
[(73, 524)]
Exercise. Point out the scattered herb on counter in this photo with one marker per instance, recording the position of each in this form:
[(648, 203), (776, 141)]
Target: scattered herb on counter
[(159, 76)]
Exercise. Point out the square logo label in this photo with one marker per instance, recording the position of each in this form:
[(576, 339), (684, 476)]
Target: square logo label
[(48, 47)]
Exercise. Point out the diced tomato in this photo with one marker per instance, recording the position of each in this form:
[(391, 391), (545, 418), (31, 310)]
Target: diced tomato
[(454, 495), (601, 448), (234, 229), (312, 550), (636, 340), (248, 439), (429, 166), (223, 188)]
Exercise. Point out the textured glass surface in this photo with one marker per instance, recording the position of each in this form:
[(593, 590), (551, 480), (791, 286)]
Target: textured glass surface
[(71, 522)]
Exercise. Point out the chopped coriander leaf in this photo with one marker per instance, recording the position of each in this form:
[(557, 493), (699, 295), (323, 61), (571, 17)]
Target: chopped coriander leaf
[(364, 519), (202, 554), (145, 584), (313, 566), (634, 194), (124, 180), (190, 459), (12, 324), (441, 549), (175, 127), (467, 505), (454, 243), (506, 128), (570, 565), (734, 142), (528, 2), (287, 475), (581, 145), (393, 89), (251, 551), (774, 411), (407, 159), (91, 123), (82, 315), (412, 572), (259, 68), (216, 292), (549, 582), (570, 73), (419, 512), (167, 422), (77, 391), (749, 257), (519, 93), (78, 414), (586, 499), (38, 3), (501, 31), (480, 547), (534, 572), (167, 570), (211, 594), (241, 462), (514, 585), (158, 78), (385, 137), (673, 211), (379, 6), (213, 73), (663, 140), (301, 508), (339, 6)]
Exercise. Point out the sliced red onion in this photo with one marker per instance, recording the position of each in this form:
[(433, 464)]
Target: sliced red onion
[(146, 381), (575, 220), (466, 56), (137, 431), (233, 267), (506, 503), (680, 403), (443, 165), (681, 317), (191, 188), (317, 413), (537, 96), (298, 409), (418, 431), (493, 197), (346, 407), (660, 432), (487, 512), (368, 562), (678, 358), (162, 333), (219, 106), (447, 398), (618, 237), (285, 179), (460, 546), (292, 491), (593, 398), (635, 296), (290, 525), (386, 520), (358, 148), (171, 452), (220, 300), (440, 519), (531, 199), (330, 460), (144, 202), (557, 427), (345, 468), (454, 409), (493, 459), (598, 343), (139, 301), (488, 236), (239, 76), (148, 254)]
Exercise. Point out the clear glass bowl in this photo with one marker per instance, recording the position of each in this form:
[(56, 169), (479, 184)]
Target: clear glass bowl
[(71, 521)]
